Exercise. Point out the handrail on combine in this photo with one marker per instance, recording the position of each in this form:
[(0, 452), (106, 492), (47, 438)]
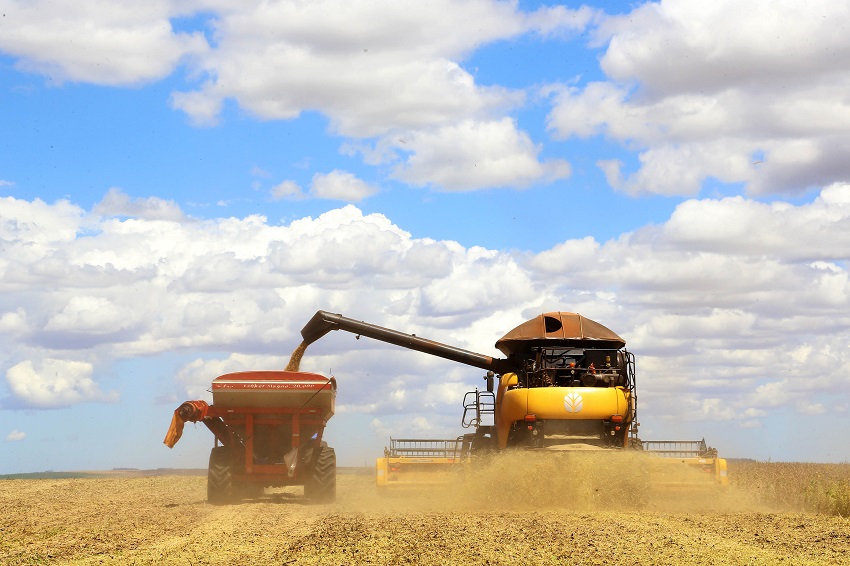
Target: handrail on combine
[(418, 448), (679, 448), (481, 404)]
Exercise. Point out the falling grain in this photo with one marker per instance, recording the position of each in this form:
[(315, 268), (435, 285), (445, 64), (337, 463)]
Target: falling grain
[(295, 360)]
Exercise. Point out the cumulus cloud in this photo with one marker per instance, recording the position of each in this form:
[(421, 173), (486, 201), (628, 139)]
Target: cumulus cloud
[(39, 222), (340, 185), (15, 436), (117, 203), (102, 42), (287, 190), (723, 297), (474, 155), (370, 67), (51, 383), (400, 73), (14, 322), (732, 305), (749, 94), (336, 185)]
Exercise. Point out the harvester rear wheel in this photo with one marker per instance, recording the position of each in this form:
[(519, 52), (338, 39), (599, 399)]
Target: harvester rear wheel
[(321, 483), (220, 477)]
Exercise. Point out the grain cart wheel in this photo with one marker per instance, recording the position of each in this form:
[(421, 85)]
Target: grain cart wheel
[(321, 483), (220, 488)]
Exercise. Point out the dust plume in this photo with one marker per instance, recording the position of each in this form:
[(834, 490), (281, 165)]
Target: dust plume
[(578, 481), (295, 359)]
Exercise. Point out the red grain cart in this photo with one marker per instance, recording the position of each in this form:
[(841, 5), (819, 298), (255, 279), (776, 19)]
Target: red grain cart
[(268, 429)]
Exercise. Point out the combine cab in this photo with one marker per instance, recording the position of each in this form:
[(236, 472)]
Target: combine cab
[(268, 429)]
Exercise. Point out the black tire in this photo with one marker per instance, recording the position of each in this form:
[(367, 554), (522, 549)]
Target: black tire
[(320, 486), (220, 489)]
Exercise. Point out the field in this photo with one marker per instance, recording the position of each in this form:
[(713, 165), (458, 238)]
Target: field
[(579, 513)]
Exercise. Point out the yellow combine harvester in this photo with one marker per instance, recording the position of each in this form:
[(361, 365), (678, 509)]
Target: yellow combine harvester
[(567, 383)]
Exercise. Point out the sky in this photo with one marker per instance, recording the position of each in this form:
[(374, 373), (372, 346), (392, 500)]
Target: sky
[(183, 184)]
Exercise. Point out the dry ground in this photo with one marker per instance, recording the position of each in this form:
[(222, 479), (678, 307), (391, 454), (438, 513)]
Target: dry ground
[(528, 519)]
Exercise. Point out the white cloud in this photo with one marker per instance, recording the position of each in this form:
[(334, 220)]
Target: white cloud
[(370, 67), (52, 383), (104, 42), (473, 155), (39, 222), (340, 185), (809, 408), (196, 376), (15, 436), (730, 299), (89, 314), (287, 189), (117, 203), (14, 322), (400, 71), (735, 103)]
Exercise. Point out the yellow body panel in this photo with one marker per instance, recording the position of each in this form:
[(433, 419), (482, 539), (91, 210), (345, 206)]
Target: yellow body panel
[(558, 403), (720, 467)]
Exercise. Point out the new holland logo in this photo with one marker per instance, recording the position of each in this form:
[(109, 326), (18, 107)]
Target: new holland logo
[(572, 403)]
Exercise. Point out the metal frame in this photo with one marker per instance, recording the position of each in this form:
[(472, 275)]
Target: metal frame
[(221, 422)]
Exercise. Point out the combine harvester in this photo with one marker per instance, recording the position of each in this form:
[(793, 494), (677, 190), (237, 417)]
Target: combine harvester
[(268, 429), (567, 383)]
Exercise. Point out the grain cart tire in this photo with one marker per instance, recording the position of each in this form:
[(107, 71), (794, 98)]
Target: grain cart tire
[(321, 483), (220, 489)]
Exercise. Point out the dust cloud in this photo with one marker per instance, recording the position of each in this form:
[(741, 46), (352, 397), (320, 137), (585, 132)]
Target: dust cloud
[(295, 359), (580, 481)]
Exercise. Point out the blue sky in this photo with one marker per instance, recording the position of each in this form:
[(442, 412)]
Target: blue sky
[(182, 185)]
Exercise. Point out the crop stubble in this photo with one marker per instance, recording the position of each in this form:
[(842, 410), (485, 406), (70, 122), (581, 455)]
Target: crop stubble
[(533, 520)]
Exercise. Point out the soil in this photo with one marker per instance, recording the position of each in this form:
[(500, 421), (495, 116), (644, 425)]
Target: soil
[(494, 520)]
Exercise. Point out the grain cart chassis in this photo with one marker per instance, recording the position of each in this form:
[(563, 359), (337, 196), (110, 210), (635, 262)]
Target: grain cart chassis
[(268, 428)]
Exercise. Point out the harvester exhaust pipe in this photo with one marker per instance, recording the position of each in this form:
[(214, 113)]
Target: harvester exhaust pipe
[(323, 322)]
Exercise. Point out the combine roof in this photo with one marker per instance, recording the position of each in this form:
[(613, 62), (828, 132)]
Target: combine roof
[(558, 329)]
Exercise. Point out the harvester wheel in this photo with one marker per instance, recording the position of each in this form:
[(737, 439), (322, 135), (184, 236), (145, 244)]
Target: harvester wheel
[(321, 483), (220, 477)]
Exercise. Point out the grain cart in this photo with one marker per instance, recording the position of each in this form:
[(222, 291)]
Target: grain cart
[(268, 429), (567, 383)]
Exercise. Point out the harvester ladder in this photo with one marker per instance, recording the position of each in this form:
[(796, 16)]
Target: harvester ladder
[(477, 405)]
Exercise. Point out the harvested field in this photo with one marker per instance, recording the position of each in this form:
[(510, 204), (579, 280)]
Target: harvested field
[(145, 520)]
